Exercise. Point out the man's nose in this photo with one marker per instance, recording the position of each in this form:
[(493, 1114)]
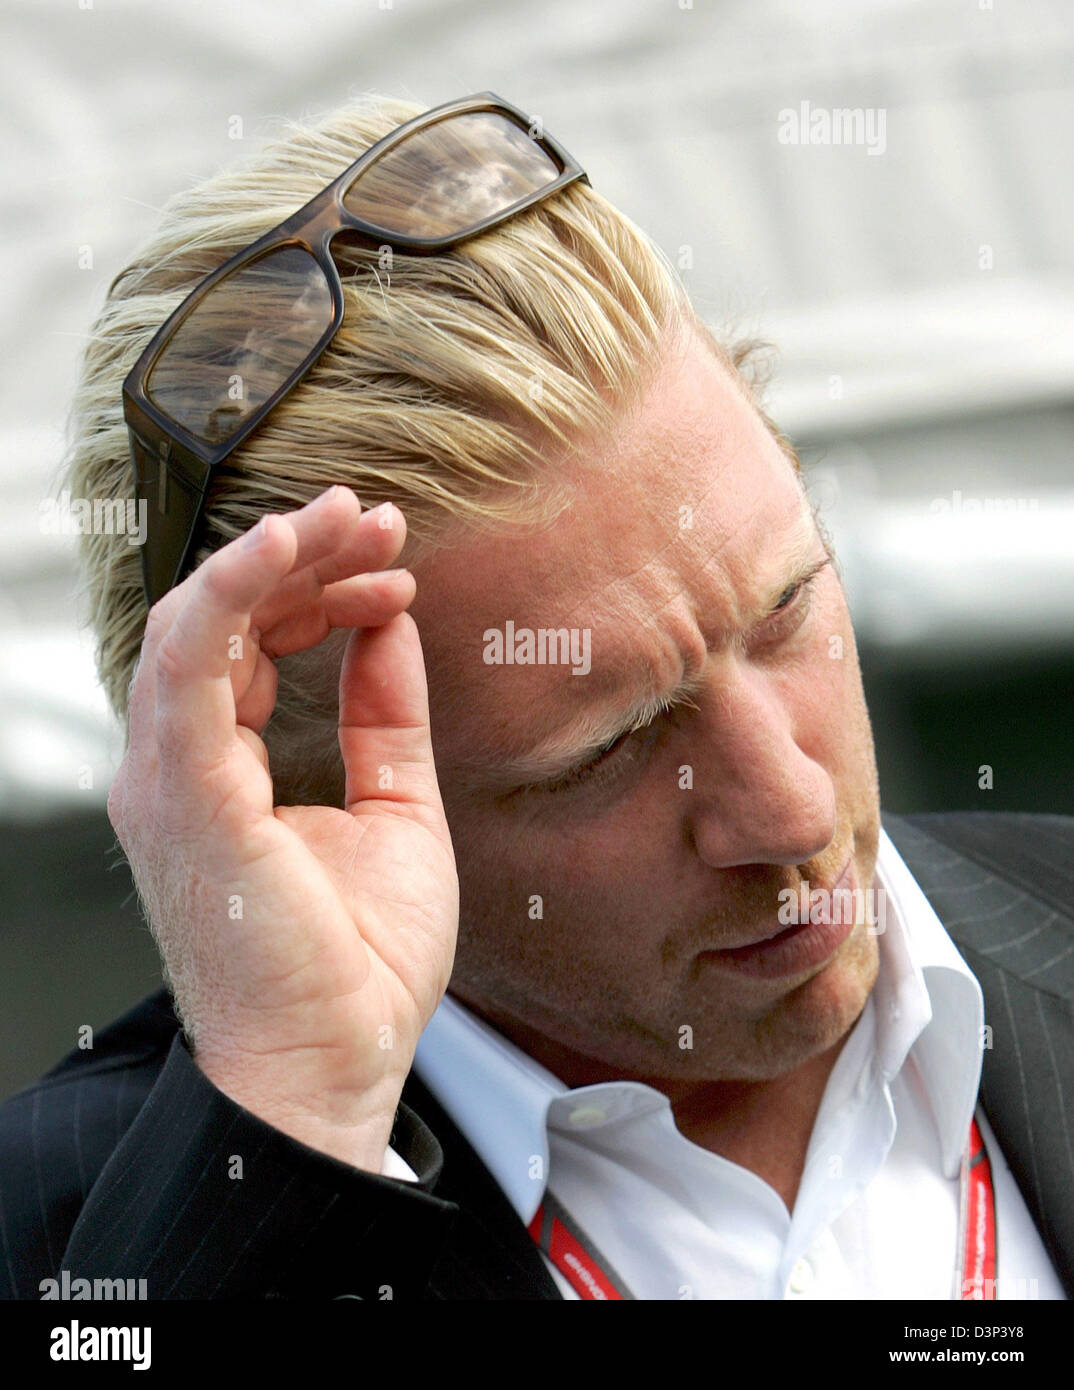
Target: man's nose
[(759, 795)]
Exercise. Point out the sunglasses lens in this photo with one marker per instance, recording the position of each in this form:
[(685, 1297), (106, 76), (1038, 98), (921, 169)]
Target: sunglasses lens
[(241, 343), (448, 177)]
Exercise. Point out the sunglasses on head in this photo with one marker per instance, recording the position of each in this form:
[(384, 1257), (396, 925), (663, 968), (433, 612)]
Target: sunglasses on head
[(215, 369)]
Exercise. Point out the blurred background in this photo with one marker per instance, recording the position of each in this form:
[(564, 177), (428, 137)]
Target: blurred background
[(910, 260)]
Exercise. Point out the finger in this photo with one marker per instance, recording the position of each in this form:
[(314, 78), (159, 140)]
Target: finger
[(384, 718), (195, 702), (256, 746), (253, 708), (221, 598), (320, 528), (371, 542), (367, 600), (375, 543)]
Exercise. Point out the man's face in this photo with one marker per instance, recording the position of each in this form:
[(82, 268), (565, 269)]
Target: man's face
[(596, 900)]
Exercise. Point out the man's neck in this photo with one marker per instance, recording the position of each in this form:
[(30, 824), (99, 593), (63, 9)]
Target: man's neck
[(764, 1126)]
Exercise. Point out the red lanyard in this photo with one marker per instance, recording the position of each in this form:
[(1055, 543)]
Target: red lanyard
[(977, 1223), (592, 1277), (574, 1255)]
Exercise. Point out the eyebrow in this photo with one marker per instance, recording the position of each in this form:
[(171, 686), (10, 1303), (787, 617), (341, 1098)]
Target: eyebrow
[(596, 730)]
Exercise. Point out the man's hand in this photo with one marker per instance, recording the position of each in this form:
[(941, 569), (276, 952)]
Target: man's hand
[(306, 946)]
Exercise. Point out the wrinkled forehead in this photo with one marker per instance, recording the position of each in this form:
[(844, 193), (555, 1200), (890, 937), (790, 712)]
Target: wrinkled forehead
[(671, 525)]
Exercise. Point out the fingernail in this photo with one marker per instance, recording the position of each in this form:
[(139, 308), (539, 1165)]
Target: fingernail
[(256, 536)]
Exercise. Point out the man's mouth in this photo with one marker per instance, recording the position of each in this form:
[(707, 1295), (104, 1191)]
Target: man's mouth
[(812, 938)]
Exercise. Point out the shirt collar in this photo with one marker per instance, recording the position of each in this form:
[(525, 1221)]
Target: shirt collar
[(925, 997), (496, 1094)]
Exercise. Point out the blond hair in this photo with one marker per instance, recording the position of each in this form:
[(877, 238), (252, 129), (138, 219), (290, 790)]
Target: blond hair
[(453, 383)]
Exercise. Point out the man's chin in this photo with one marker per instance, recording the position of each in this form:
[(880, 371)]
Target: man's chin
[(829, 1002), (812, 1016)]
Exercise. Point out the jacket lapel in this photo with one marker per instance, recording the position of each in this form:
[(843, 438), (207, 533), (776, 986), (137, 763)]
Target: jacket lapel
[(489, 1253), (1016, 933)]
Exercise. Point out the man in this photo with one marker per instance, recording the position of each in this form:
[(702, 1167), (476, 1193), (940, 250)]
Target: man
[(671, 1063)]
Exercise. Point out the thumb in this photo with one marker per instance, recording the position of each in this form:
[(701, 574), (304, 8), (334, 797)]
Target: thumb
[(384, 733)]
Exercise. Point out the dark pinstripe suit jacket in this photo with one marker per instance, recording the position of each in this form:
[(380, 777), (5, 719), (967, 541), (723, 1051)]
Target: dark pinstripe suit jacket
[(119, 1162)]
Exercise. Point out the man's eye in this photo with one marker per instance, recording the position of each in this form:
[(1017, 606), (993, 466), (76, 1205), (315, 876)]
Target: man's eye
[(587, 772), (788, 596), (793, 603)]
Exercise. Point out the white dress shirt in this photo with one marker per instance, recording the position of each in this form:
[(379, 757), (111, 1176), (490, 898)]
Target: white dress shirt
[(876, 1215)]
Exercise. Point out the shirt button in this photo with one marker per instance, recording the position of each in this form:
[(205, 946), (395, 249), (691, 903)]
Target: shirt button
[(586, 1116), (801, 1276)]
